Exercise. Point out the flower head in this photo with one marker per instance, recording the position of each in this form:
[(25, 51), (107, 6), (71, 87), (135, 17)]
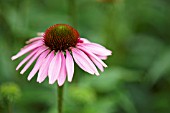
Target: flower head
[(55, 52)]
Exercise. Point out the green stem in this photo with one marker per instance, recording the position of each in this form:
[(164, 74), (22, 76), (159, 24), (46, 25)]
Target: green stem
[(60, 99), (9, 107)]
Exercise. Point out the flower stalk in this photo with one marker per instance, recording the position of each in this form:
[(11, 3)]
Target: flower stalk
[(9, 107), (60, 98)]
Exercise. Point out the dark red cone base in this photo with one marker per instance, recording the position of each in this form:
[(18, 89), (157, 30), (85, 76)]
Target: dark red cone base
[(61, 37)]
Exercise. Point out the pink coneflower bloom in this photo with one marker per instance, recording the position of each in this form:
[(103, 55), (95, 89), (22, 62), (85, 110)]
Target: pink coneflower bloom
[(55, 52)]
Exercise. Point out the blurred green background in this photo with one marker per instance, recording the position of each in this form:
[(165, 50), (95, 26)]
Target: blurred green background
[(137, 79)]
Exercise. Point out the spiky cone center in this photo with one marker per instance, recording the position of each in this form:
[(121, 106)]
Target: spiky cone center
[(61, 37)]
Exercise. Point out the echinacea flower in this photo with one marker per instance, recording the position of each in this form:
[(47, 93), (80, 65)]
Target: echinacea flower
[(55, 52)]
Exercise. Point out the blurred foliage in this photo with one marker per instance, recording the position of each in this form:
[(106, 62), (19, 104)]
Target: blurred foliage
[(137, 31), (10, 92)]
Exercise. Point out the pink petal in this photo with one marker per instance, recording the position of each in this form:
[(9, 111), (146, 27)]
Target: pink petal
[(26, 59), (62, 76), (94, 44), (98, 62), (34, 39), (54, 68), (42, 74), (38, 64), (32, 43), (96, 49), (91, 55), (41, 49), (27, 49), (85, 40), (102, 57), (80, 63), (69, 66), (84, 62)]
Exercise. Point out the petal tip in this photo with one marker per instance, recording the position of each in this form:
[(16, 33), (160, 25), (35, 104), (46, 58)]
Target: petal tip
[(22, 72), (60, 84), (13, 58), (51, 82), (70, 80), (39, 81), (105, 65), (28, 78), (97, 74)]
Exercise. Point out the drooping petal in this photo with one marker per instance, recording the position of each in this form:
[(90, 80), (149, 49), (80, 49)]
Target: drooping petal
[(91, 55), (96, 49), (30, 44), (84, 62), (54, 68), (26, 59), (85, 40), (43, 71), (34, 39), (38, 64), (98, 64), (41, 49), (80, 63), (102, 57), (94, 44), (69, 66), (27, 49), (63, 73), (97, 61)]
